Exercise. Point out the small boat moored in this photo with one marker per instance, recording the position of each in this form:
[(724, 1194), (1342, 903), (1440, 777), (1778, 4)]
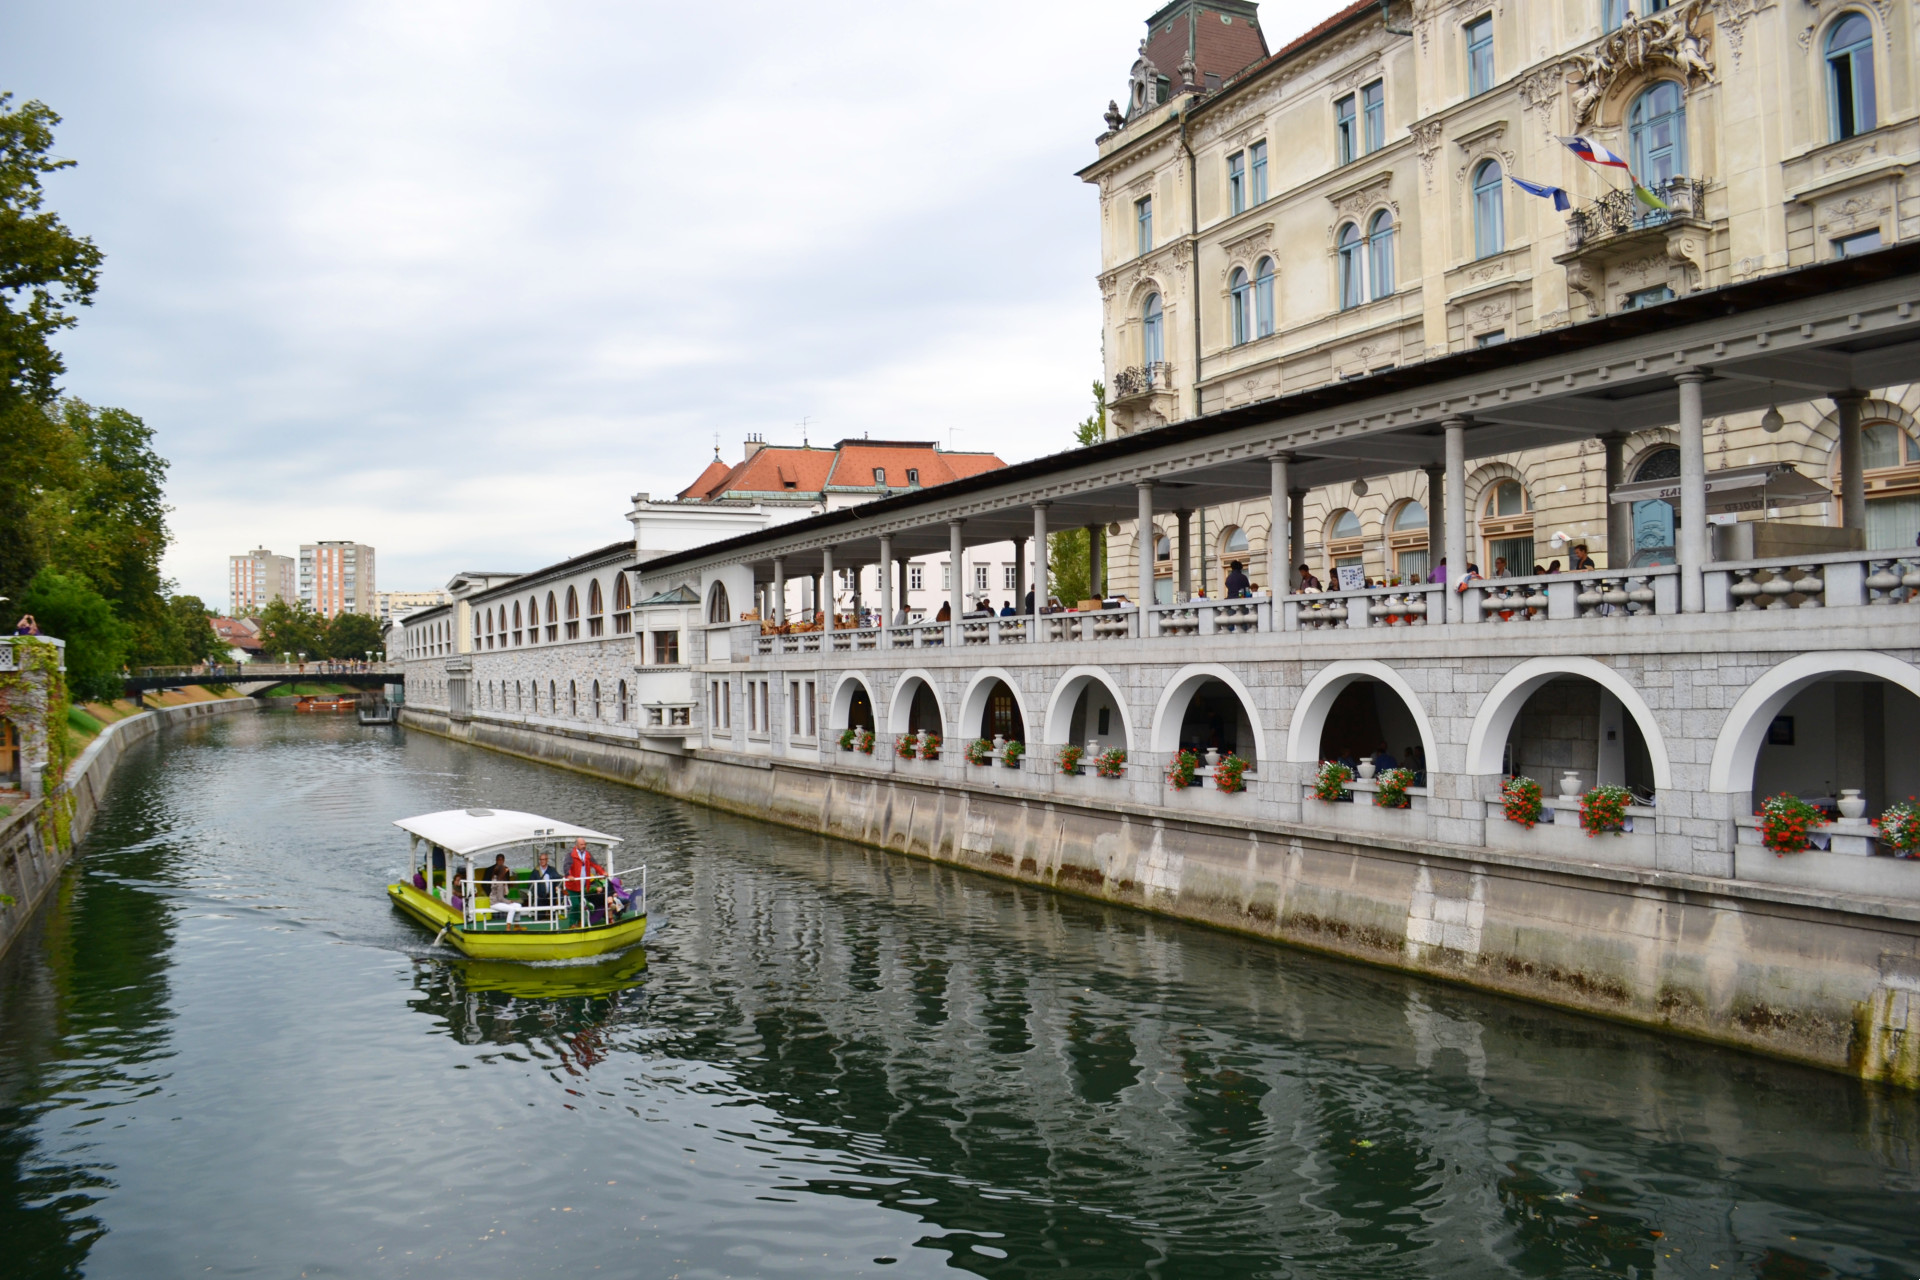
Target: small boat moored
[(563, 901)]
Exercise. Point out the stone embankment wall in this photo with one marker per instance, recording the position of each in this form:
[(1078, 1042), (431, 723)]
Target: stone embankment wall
[(32, 854), (1819, 977)]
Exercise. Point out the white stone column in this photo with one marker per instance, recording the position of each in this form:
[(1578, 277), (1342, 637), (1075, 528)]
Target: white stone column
[(1455, 499), (1019, 574), (956, 587), (1183, 558), (829, 593), (780, 590), (1039, 562), (1143, 588), (1096, 560), (1436, 515), (1853, 476), (1279, 571), (1619, 515), (1296, 535), (886, 582), (1693, 493)]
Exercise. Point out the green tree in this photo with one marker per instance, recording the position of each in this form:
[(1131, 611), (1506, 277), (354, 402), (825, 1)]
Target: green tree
[(67, 607), (1068, 562), (190, 634), (353, 635), (291, 629)]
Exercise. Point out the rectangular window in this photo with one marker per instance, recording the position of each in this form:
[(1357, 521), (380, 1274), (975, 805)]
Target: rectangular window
[(1859, 242), (793, 707), (1009, 576), (1143, 225), (1257, 156), (666, 648), (1613, 13), (753, 709), (596, 626), (946, 577), (813, 727), (1237, 181), (726, 704), (1345, 141), (1493, 339), (1479, 55), (1647, 298), (766, 708), (622, 623), (1373, 107), (980, 577)]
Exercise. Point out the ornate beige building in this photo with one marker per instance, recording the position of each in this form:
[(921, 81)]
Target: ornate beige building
[(1274, 221)]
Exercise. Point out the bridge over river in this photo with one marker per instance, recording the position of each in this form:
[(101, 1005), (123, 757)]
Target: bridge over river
[(256, 677)]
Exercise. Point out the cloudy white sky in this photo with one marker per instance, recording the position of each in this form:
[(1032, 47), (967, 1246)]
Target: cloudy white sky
[(456, 279)]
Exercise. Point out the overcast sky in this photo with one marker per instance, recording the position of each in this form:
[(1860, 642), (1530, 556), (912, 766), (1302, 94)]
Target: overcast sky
[(455, 280)]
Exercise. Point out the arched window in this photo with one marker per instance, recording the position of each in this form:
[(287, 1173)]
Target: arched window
[(553, 617), (1892, 457), (486, 629), (1407, 541), (1657, 128), (1346, 525), (1850, 96), (1153, 343), (553, 698), (573, 614), (596, 699), (1162, 548), (516, 622), (594, 603), (1380, 254), (1881, 445), (622, 605), (1263, 298), (1410, 517), (1507, 498), (1235, 542), (1489, 214), (718, 610), (621, 714), (573, 700), (1240, 290), (1352, 267), (519, 697)]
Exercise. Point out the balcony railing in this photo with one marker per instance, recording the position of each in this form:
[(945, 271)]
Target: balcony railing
[(1620, 212), (1138, 380)]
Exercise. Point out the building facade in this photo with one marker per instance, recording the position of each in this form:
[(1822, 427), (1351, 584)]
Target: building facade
[(394, 605), (1274, 222), (258, 578), (338, 577)]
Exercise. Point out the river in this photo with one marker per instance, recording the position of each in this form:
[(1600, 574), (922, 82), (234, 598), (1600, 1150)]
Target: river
[(223, 1053)]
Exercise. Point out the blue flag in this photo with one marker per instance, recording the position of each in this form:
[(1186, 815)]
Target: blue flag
[(1544, 191)]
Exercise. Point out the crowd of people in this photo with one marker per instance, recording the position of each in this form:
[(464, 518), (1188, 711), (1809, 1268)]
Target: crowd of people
[(587, 893)]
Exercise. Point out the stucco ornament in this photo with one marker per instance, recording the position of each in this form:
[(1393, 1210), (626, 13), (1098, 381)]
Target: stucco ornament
[(1673, 38), (1142, 83)]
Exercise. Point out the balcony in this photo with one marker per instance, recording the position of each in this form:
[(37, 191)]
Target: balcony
[(1620, 213), (1142, 380), (1621, 254)]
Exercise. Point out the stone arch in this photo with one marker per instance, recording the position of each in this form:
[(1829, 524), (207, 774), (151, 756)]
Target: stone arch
[(1487, 475), (1493, 723), (1317, 699), (973, 703), (906, 695), (852, 692), (1066, 697), (1737, 750), (1171, 710)]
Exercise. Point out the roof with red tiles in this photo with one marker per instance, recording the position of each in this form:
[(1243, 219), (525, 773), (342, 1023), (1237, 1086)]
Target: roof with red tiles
[(235, 633), (850, 464), (1226, 39)]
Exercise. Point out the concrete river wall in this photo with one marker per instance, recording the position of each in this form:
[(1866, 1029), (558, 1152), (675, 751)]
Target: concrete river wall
[(1816, 976), (34, 847)]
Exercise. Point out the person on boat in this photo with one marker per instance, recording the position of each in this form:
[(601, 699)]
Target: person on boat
[(498, 878), (581, 867), (542, 887)]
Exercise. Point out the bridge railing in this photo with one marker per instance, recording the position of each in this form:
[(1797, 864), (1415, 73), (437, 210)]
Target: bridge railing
[(249, 671)]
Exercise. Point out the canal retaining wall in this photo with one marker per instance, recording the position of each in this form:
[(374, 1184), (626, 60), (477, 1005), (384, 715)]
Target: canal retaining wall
[(38, 838), (1820, 977)]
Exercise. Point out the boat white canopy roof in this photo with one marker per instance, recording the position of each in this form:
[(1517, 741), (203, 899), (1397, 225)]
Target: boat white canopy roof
[(466, 832)]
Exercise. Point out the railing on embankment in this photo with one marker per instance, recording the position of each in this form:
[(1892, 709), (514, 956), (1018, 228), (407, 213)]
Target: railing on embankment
[(38, 837)]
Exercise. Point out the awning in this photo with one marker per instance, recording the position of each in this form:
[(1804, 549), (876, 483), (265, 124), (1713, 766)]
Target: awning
[(465, 832), (1754, 488)]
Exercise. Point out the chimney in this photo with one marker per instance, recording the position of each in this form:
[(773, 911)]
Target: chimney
[(755, 443)]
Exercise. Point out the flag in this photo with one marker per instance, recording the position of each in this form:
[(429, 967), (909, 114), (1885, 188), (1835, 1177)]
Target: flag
[(1544, 191), (1649, 199), (1593, 153)]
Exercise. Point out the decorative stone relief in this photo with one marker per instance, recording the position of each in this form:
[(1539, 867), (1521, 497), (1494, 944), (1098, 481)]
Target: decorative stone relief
[(1850, 157), (1539, 92), (1674, 38), (1356, 200), (1731, 16), (1142, 83)]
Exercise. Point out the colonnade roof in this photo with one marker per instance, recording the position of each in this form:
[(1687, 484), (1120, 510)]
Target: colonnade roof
[(1834, 327)]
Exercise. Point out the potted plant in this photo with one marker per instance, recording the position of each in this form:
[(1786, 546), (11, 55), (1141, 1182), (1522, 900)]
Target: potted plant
[(1900, 829), (1330, 784), (929, 746), (865, 742), (1180, 775), (1390, 789), (906, 746), (1785, 823), (979, 751), (1520, 797), (1112, 764), (1070, 758), (1011, 753), (847, 736), (1229, 775), (1603, 810)]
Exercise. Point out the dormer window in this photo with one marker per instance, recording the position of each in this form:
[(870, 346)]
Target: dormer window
[(879, 476), (913, 475)]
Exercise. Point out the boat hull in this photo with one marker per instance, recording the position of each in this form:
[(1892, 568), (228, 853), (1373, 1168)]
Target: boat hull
[(572, 944)]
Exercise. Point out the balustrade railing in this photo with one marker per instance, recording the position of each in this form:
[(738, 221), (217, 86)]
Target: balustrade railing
[(1368, 607), (1211, 617), (1561, 597), (1830, 580)]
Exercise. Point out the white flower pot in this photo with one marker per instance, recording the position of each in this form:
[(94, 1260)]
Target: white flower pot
[(1853, 805), (1569, 784), (1366, 770), (1212, 757)]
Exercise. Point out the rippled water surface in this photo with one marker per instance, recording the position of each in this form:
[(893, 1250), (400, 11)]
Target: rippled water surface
[(223, 1053)]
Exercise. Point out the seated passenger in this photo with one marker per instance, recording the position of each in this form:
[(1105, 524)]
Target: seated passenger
[(543, 888), (498, 878)]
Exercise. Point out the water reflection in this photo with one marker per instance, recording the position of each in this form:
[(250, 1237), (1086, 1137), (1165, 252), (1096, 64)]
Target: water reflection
[(823, 1056)]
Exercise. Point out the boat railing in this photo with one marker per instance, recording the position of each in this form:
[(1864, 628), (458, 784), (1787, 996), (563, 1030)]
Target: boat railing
[(558, 910)]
